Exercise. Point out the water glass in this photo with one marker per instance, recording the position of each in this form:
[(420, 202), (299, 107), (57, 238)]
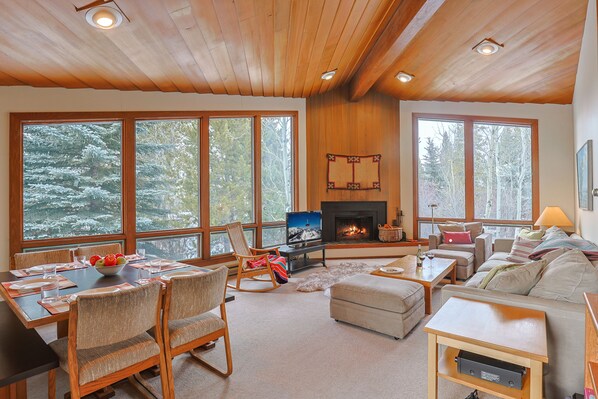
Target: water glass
[(50, 292), (143, 275), (80, 259), (49, 270), (140, 252), (155, 266)]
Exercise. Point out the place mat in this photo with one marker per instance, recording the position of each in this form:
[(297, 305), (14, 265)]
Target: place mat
[(174, 266), (62, 304), (134, 258), (159, 278), (63, 283), (60, 267)]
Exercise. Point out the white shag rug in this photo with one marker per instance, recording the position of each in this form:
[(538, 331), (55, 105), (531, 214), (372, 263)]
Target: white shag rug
[(323, 279)]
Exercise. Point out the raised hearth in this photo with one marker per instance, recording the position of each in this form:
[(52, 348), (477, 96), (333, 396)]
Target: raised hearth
[(352, 221)]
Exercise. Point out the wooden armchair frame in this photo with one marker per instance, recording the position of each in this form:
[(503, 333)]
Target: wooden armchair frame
[(243, 253)]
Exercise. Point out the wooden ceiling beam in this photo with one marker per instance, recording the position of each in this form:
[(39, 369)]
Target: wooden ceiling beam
[(407, 21)]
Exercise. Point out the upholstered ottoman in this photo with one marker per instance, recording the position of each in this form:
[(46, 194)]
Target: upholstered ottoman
[(465, 261), (385, 305)]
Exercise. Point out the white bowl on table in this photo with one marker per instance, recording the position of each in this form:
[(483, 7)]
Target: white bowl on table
[(110, 270)]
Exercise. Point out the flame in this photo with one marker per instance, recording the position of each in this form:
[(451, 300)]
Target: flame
[(354, 230)]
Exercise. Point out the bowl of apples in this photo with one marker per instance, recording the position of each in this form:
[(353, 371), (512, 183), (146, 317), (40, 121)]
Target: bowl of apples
[(108, 265)]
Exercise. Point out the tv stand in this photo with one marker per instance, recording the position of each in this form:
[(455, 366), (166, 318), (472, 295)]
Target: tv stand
[(292, 251)]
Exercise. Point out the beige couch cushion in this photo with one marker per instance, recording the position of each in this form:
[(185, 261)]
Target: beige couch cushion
[(458, 247), (519, 280), (476, 279), (379, 292), (462, 258), (451, 227), (186, 330), (98, 362), (566, 278)]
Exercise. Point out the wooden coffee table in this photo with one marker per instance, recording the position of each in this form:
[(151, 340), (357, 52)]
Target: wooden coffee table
[(507, 333), (432, 272)]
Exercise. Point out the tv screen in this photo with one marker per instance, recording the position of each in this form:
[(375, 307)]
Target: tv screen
[(304, 226)]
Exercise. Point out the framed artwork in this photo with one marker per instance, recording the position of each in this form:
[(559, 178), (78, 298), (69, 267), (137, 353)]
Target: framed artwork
[(584, 177)]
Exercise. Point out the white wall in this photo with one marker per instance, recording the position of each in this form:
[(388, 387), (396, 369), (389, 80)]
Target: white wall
[(555, 131), (585, 115), (28, 99)]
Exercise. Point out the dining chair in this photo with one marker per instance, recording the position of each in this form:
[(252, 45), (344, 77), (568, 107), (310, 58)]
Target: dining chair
[(108, 340), (188, 322), (102, 250), (252, 262), (27, 259)]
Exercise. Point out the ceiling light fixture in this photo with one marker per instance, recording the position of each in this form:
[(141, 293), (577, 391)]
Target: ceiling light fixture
[(101, 16), (488, 47), (404, 77), (329, 75)]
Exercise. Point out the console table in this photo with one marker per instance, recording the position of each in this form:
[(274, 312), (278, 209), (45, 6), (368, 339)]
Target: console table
[(290, 252)]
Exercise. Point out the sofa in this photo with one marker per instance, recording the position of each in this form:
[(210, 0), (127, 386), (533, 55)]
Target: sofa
[(564, 374)]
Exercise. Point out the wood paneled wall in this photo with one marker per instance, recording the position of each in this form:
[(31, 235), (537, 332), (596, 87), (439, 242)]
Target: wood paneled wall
[(339, 126)]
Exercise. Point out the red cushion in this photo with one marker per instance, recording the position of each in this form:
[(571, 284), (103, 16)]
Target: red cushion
[(455, 237)]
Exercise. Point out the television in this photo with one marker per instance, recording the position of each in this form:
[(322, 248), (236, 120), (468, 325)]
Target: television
[(304, 226)]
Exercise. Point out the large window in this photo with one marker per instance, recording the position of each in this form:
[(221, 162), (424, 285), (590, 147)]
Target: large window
[(476, 168), (164, 181)]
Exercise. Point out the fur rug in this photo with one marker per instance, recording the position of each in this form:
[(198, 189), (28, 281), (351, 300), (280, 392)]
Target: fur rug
[(323, 279)]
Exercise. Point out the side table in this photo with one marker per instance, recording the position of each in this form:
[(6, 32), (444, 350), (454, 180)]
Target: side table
[(289, 253)]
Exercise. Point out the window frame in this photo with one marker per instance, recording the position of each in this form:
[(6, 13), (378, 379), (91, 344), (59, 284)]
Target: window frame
[(469, 121), (129, 234)]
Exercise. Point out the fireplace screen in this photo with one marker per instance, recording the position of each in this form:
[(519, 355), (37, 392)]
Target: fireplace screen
[(358, 228)]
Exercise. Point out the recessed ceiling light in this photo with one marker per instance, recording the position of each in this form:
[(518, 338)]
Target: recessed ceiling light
[(328, 75), (487, 47), (104, 17), (404, 77)]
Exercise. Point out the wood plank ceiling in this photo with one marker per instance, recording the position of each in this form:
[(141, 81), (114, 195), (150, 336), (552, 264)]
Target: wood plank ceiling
[(281, 47)]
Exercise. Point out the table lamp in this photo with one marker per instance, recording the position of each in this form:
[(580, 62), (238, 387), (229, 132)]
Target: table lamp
[(553, 216)]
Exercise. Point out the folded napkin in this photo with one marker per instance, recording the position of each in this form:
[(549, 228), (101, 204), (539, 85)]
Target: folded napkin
[(60, 267), (62, 304), (63, 283)]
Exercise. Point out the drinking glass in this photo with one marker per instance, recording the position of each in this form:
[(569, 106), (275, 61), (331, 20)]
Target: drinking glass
[(143, 275), (50, 292), (155, 266), (430, 255), (49, 270), (80, 259), (140, 252)]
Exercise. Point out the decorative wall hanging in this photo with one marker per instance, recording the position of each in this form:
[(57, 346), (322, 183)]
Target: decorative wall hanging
[(584, 177), (353, 172)]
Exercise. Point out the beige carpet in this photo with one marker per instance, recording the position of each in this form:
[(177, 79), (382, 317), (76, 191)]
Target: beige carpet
[(286, 346)]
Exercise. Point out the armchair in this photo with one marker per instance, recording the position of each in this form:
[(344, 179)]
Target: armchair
[(481, 248)]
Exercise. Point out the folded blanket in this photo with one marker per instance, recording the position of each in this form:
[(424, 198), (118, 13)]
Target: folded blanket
[(589, 249)]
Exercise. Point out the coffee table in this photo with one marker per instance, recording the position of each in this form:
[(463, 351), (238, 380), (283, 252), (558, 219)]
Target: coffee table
[(507, 333), (432, 272)]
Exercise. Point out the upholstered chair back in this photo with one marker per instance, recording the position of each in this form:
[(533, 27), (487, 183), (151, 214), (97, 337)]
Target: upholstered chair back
[(28, 259), (197, 294), (102, 250), (106, 319), (237, 239)]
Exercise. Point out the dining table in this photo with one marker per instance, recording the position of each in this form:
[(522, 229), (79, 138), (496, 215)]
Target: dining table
[(32, 314)]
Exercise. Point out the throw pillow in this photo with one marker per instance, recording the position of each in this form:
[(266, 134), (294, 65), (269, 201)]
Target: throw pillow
[(519, 280), (554, 254), (567, 278), (576, 236), (522, 249), (497, 270), (531, 234), (554, 232), (456, 237), (475, 228)]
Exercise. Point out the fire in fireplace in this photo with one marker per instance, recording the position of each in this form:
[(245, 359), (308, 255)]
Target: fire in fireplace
[(354, 228), (352, 221)]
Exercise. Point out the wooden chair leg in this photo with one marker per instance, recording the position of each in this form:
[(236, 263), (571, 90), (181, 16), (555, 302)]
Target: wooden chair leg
[(168, 372), (52, 384)]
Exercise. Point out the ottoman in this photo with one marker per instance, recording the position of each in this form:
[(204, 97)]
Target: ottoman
[(465, 261), (385, 305)]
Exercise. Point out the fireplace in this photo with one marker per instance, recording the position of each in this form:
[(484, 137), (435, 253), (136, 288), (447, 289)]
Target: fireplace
[(351, 221)]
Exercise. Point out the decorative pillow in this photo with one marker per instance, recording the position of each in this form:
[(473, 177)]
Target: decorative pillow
[(567, 278), (475, 228), (497, 270), (531, 234), (576, 236), (522, 249), (554, 232), (518, 280), (456, 237), (554, 254)]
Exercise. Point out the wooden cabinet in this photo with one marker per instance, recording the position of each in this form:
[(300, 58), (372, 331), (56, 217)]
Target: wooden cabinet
[(591, 352)]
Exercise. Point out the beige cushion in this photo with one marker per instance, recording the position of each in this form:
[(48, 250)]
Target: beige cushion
[(500, 256), (531, 234), (475, 228), (492, 263), (519, 280), (476, 280), (462, 258), (567, 278), (98, 362), (522, 249), (379, 292), (451, 227), (554, 254), (186, 330), (458, 247)]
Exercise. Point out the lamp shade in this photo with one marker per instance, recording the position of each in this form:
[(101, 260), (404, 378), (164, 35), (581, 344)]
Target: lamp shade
[(553, 216)]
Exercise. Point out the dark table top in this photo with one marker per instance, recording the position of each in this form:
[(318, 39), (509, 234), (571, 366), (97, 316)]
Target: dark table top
[(23, 353), (85, 279), (287, 250)]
